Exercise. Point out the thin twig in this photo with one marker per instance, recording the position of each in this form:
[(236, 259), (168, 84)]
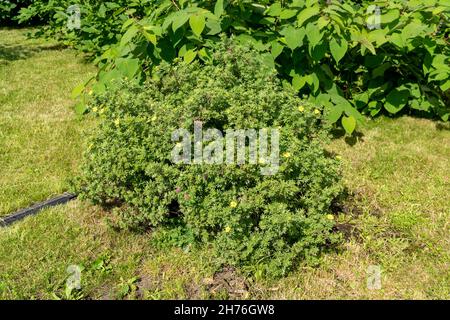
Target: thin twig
[(175, 4)]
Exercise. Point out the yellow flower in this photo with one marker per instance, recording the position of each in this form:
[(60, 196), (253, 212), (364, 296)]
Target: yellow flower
[(95, 109), (101, 111), (316, 111), (301, 108), (233, 204), (338, 158), (227, 229), (286, 154), (262, 161), (154, 118), (330, 217), (90, 92), (117, 122)]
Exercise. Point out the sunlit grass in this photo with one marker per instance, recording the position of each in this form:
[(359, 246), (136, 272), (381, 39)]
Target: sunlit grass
[(40, 136)]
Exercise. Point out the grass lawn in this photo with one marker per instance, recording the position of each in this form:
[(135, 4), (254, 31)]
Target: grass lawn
[(40, 136), (397, 218)]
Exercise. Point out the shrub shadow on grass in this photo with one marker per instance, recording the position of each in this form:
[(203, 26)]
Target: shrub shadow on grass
[(350, 203), (351, 140), (441, 126), (10, 53)]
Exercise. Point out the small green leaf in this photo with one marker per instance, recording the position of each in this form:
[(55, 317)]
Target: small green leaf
[(349, 124), (314, 82), (390, 16), (80, 108), (149, 36), (274, 10), (214, 27), (204, 54), (367, 44), (189, 56), (277, 48), (380, 70), (287, 14), (445, 86), (76, 92)]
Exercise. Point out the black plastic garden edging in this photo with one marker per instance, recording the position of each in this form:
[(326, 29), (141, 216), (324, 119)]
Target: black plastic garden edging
[(19, 215)]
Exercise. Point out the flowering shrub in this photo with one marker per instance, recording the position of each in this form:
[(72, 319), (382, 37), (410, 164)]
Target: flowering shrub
[(255, 221)]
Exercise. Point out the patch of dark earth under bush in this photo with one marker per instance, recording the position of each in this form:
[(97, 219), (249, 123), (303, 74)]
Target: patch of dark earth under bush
[(350, 204), (227, 281)]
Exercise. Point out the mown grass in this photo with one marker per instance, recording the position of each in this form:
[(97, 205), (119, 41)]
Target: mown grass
[(397, 215), (40, 136)]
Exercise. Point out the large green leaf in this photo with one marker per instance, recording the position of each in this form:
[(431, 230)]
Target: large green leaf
[(287, 14), (334, 113), (179, 19), (129, 35), (294, 37), (189, 56), (396, 100), (338, 49), (298, 82), (307, 13), (274, 10), (276, 49), (349, 124), (128, 67), (197, 23), (314, 36), (219, 8)]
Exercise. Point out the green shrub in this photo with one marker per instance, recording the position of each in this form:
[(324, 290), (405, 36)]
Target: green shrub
[(259, 222)]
